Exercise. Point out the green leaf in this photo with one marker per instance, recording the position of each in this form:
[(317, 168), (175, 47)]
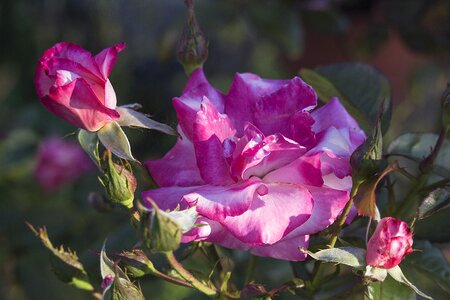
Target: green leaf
[(362, 86), (132, 118), (430, 261), (435, 201), (398, 275), (326, 90), (389, 289), (419, 146), (114, 139), (350, 256), (65, 263), (89, 142)]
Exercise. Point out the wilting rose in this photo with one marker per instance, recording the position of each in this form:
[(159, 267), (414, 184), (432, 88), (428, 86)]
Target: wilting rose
[(389, 244), (263, 168), (74, 84), (60, 162)]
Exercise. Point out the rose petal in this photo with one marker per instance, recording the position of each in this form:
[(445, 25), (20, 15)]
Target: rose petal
[(272, 112), (76, 103), (328, 204), (213, 232), (168, 198), (178, 167), (334, 141), (300, 129), (244, 91), (272, 216), (106, 59), (262, 155), (219, 202), (211, 129), (188, 104), (305, 170), (333, 114), (286, 249)]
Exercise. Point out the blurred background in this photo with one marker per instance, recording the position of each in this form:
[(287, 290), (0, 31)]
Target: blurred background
[(408, 41)]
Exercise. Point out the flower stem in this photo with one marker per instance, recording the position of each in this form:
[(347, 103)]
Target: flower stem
[(171, 279), (425, 167), (188, 276), (342, 219), (250, 269)]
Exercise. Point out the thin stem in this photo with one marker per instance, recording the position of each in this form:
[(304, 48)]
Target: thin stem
[(426, 165), (425, 168), (367, 229), (342, 219), (171, 279), (250, 269), (188, 276)]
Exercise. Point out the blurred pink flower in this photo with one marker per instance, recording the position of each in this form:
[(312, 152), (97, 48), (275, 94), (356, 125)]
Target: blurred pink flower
[(389, 244), (73, 84), (262, 166), (59, 162)]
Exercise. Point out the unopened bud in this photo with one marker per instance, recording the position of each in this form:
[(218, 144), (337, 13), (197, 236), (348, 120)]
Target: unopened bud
[(192, 48), (136, 263), (119, 182)]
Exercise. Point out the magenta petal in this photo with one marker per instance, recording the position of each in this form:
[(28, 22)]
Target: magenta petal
[(168, 198), (333, 114), (272, 216), (107, 58), (260, 157), (300, 129), (73, 52), (244, 92), (188, 104), (211, 129), (213, 232), (286, 249), (76, 103), (272, 112), (178, 167), (328, 204), (306, 170), (334, 141), (218, 202)]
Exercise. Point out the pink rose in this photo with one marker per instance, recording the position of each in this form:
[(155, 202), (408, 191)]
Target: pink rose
[(74, 85), (60, 162), (262, 166), (389, 244)]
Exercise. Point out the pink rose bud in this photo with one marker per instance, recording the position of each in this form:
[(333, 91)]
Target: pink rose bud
[(389, 244), (73, 84), (60, 161)]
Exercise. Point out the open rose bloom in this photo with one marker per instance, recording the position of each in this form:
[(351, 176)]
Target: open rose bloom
[(263, 166), (73, 84), (389, 244)]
